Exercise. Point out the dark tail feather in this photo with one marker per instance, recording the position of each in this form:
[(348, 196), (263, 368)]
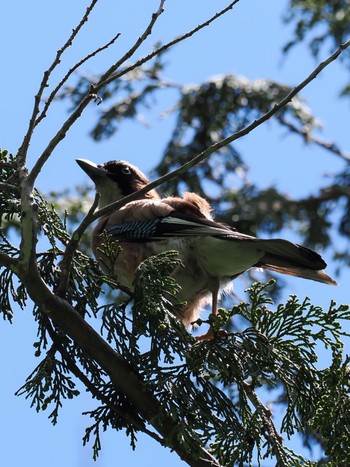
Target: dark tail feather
[(288, 258)]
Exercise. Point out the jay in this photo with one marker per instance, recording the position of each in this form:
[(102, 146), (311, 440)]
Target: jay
[(212, 253)]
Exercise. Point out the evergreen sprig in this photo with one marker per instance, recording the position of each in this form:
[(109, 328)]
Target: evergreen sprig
[(105, 416), (332, 412), (9, 204), (11, 292), (215, 391), (48, 384), (155, 309)]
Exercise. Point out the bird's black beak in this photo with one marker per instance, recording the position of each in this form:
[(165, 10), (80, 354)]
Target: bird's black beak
[(92, 170)]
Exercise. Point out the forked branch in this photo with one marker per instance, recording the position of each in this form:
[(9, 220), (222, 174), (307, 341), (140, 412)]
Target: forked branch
[(110, 76), (68, 74), (22, 152), (109, 73)]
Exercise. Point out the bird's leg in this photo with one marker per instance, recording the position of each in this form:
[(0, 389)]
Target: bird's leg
[(214, 303), (210, 334)]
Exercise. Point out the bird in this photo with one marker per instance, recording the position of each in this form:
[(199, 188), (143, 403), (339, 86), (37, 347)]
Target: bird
[(212, 254)]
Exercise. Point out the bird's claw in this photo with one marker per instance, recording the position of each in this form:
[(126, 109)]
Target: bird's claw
[(210, 335)]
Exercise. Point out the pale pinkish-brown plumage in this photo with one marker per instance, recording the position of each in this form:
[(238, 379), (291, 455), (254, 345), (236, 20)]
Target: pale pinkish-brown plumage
[(189, 276)]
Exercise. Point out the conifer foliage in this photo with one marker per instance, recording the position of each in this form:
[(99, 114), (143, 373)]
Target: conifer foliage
[(212, 402)]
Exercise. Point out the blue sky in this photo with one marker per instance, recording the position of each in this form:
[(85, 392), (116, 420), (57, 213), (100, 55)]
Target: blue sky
[(247, 41)]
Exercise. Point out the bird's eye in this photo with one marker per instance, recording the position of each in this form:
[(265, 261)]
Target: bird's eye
[(126, 170)]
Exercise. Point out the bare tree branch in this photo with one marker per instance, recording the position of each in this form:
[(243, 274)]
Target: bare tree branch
[(61, 133), (69, 73), (107, 78), (225, 141), (122, 374), (328, 145), (133, 49), (28, 213), (59, 136), (22, 152), (8, 261)]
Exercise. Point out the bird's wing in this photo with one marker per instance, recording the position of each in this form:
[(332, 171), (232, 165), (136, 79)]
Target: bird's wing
[(174, 225), (222, 251)]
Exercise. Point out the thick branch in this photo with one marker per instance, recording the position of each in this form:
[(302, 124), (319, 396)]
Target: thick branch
[(28, 221), (7, 261), (8, 187), (122, 374)]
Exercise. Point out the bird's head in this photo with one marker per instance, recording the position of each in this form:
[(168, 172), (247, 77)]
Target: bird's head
[(115, 179)]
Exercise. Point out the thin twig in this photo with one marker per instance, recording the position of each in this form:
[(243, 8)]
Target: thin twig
[(22, 152), (133, 49), (59, 136), (272, 433), (66, 263), (106, 79), (225, 141), (69, 73), (329, 146)]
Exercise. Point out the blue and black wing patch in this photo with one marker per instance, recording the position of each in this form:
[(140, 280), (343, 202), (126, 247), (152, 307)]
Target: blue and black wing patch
[(171, 226), (135, 230)]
